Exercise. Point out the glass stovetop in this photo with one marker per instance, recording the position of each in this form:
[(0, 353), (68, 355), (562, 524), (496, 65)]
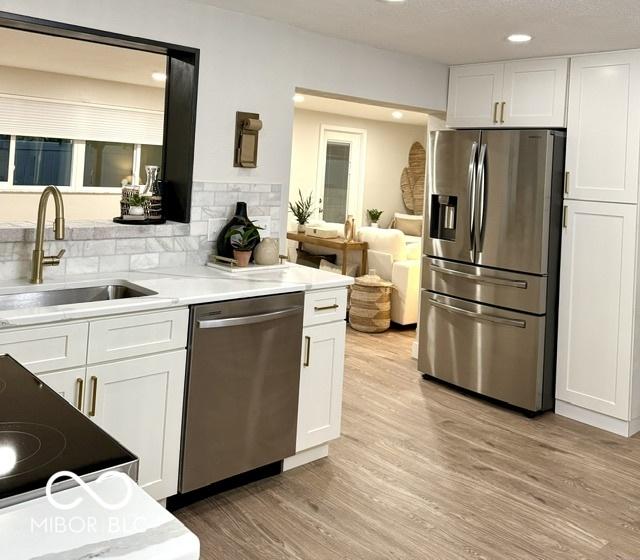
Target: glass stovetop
[(42, 434)]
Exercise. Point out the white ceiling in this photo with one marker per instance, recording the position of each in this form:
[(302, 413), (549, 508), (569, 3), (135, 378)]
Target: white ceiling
[(360, 110), (79, 58), (458, 31)]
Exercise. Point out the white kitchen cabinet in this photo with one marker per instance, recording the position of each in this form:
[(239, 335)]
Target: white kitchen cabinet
[(595, 316), (139, 403), (47, 348), (521, 93), (534, 93), (475, 91), (68, 384), (321, 375), (603, 127)]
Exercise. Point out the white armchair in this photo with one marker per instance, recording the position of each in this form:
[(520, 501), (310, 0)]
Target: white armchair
[(396, 262)]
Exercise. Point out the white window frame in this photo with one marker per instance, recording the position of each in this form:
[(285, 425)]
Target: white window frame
[(77, 171), (357, 165)]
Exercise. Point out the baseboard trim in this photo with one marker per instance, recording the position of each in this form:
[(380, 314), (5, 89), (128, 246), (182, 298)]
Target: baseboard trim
[(597, 419), (306, 456)]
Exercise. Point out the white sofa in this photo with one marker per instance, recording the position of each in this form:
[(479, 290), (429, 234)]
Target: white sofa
[(397, 261)]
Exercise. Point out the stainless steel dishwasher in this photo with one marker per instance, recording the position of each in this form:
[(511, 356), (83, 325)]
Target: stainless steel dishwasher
[(242, 387)]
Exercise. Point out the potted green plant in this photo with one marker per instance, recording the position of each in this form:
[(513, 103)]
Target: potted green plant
[(302, 209), (374, 216), (136, 205), (243, 239)]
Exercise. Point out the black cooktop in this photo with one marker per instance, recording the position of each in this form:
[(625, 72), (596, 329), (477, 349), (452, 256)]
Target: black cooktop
[(42, 434)]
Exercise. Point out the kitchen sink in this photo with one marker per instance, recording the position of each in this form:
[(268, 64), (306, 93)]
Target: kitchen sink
[(85, 294)]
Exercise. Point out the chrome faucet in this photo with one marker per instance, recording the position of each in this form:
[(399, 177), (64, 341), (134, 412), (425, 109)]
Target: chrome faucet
[(38, 260)]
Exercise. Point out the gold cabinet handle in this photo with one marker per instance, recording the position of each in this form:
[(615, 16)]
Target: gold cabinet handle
[(307, 351), (79, 393), (503, 104), (566, 182), (565, 216), (326, 307), (94, 393), (495, 113)]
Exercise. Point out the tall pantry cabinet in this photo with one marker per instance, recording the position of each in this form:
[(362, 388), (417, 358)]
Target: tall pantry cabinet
[(598, 363)]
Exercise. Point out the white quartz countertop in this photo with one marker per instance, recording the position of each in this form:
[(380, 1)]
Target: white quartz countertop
[(139, 530), (173, 287)]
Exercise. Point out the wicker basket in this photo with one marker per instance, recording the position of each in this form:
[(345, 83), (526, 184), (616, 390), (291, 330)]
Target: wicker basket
[(370, 309)]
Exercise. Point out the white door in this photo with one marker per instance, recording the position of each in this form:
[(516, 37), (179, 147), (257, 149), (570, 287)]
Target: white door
[(534, 93), (603, 127), (68, 384), (321, 375), (475, 94), (340, 185), (139, 403), (595, 317)]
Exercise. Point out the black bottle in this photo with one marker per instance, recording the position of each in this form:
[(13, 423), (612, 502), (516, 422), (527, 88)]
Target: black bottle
[(240, 218)]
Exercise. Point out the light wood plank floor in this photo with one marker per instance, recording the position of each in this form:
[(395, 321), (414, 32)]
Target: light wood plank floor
[(423, 472)]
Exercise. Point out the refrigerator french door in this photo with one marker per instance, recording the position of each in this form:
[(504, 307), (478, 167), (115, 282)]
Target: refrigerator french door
[(491, 261)]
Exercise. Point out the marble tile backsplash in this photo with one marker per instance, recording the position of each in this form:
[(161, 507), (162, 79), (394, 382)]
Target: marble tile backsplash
[(107, 247)]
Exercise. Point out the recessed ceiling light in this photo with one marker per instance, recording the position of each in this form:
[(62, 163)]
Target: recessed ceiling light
[(298, 98), (397, 115), (159, 76), (519, 38)]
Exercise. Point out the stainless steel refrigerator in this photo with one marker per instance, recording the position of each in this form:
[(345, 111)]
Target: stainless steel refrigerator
[(490, 264)]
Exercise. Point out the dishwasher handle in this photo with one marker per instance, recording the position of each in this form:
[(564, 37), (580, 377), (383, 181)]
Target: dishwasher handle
[(248, 319)]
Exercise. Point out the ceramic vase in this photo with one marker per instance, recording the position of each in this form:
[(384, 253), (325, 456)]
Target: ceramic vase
[(267, 252), (348, 225), (240, 218)]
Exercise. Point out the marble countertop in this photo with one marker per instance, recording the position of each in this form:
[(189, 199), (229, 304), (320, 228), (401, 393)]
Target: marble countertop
[(174, 288), (140, 529)]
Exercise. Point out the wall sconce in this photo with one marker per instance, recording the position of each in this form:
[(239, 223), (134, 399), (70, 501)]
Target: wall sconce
[(248, 125)]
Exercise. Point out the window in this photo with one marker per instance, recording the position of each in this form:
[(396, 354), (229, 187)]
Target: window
[(107, 164), (42, 161), (336, 182), (150, 155), (5, 142)]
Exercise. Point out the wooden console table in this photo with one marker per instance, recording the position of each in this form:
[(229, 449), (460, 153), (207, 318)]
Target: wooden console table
[(337, 243)]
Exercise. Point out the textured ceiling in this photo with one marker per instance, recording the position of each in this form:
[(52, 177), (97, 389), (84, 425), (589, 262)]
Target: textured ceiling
[(457, 31)]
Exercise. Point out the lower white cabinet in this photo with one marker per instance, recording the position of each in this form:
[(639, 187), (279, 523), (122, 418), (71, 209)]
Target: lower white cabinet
[(596, 312), (139, 403), (68, 384), (321, 375)]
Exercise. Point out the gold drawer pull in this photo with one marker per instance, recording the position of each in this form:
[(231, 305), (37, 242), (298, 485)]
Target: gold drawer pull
[(94, 393), (326, 307), (80, 392), (307, 352)]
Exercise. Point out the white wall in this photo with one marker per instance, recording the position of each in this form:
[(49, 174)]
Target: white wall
[(253, 64), (387, 155)]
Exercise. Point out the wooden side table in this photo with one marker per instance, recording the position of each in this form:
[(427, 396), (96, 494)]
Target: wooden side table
[(337, 243)]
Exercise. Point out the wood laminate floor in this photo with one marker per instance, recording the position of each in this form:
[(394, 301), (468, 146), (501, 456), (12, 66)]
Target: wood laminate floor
[(423, 472)]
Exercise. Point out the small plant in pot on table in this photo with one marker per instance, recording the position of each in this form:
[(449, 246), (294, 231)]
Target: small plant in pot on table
[(302, 209), (243, 240), (374, 216)]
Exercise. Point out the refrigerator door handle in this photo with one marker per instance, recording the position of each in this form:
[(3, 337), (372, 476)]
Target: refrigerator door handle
[(480, 200), (482, 279), (479, 316), (471, 187)]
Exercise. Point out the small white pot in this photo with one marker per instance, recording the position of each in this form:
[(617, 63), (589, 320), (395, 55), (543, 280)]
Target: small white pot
[(136, 211), (374, 224), (301, 228)]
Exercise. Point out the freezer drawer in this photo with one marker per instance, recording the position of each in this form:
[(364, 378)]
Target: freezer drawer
[(523, 292), (491, 351)]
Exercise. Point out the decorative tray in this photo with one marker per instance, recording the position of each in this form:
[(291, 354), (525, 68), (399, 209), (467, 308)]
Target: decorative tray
[(229, 265)]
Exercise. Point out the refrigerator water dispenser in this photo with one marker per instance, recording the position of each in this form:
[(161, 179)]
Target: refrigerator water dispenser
[(443, 217)]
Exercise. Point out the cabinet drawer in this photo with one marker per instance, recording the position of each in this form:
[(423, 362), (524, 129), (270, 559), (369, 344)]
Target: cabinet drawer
[(47, 348), (134, 335), (325, 306)]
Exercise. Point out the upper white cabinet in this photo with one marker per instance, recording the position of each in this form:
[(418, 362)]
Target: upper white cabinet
[(595, 315), (475, 92), (603, 129), (521, 93)]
